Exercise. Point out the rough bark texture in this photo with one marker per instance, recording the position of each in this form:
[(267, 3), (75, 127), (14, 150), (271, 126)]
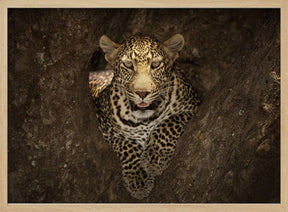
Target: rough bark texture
[(230, 152)]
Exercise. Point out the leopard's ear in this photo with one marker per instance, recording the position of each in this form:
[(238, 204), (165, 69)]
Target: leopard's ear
[(173, 45), (109, 48)]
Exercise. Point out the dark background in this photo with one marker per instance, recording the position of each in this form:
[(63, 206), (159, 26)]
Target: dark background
[(229, 153)]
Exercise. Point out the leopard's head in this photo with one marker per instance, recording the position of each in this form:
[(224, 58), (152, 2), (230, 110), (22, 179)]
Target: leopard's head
[(142, 66)]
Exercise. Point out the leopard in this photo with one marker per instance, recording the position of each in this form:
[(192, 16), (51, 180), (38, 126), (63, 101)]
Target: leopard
[(143, 110)]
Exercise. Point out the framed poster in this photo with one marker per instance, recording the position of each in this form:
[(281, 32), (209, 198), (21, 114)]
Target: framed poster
[(231, 155)]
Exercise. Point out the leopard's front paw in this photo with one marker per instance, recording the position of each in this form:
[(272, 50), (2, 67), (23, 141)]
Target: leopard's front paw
[(138, 182), (153, 163)]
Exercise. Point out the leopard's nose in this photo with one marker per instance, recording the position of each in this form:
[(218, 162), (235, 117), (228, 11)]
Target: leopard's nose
[(142, 94)]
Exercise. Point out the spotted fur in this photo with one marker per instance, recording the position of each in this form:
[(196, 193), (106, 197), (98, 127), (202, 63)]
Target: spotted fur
[(142, 113), (98, 81)]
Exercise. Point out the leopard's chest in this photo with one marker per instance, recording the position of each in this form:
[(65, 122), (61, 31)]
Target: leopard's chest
[(124, 120), (132, 128), (141, 133)]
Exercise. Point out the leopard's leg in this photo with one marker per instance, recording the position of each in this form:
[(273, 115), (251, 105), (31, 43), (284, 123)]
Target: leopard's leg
[(137, 181), (162, 144)]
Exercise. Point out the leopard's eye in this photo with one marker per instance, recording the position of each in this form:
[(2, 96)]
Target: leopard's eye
[(128, 64), (155, 64)]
